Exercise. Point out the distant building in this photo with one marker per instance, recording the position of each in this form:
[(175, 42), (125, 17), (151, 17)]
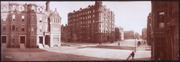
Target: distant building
[(129, 34), (92, 24), (144, 33), (65, 33), (149, 29), (137, 35), (119, 34), (29, 25), (165, 30)]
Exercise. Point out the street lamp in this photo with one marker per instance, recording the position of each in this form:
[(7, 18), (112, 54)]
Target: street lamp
[(135, 44)]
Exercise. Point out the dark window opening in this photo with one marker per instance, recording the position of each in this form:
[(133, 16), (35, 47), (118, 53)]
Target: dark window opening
[(23, 20), (3, 39), (13, 27), (22, 29), (22, 39), (16, 29), (4, 28)]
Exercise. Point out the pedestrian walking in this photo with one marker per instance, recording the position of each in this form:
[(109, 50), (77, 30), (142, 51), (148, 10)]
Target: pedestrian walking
[(139, 43), (132, 55), (118, 43)]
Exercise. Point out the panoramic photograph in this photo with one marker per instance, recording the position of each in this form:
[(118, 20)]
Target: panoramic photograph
[(89, 30)]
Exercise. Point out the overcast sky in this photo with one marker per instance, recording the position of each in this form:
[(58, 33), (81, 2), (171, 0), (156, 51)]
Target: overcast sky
[(131, 15)]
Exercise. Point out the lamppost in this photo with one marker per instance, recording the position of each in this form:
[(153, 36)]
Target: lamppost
[(135, 44)]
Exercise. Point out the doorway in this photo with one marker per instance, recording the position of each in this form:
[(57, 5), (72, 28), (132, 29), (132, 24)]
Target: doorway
[(47, 40), (41, 40), (22, 39), (4, 39)]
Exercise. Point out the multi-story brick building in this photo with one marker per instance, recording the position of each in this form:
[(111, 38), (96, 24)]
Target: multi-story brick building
[(149, 29), (129, 34), (119, 34), (65, 34), (92, 24), (29, 25), (165, 26)]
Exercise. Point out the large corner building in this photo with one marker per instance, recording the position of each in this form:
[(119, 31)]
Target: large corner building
[(29, 26), (164, 25), (93, 24)]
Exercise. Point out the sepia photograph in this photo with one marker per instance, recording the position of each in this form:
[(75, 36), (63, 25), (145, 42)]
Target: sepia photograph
[(89, 30)]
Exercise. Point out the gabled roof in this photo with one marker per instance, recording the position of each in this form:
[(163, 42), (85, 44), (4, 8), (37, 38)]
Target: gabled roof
[(54, 14)]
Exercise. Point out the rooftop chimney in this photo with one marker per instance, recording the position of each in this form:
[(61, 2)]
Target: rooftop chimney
[(47, 5)]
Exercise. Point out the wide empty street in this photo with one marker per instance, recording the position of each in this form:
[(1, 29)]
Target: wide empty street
[(79, 51)]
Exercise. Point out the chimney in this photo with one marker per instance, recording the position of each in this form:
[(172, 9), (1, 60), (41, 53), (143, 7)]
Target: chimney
[(47, 5)]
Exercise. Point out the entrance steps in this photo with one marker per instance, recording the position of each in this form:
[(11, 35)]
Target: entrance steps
[(22, 46), (41, 46), (3, 45), (46, 46)]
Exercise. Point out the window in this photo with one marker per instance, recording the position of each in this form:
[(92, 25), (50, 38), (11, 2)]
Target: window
[(22, 18), (40, 20), (22, 28), (4, 28), (13, 27), (13, 17), (32, 28)]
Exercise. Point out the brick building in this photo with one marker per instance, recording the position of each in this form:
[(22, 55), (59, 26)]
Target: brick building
[(149, 29), (129, 34), (119, 34), (165, 19), (92, 24), (144, 33), (65, 34), (29, 25)]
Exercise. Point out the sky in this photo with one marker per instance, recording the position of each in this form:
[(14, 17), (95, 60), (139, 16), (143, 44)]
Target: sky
[(130, 15)]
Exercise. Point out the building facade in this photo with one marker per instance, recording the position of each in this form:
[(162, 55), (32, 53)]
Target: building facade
[(119, 34), (92, 24), (144, 34), (165, 26), (65, 34), (129, 34), (29, 25), (149, 29)]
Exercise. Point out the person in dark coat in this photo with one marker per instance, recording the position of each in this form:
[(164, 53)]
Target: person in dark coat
[(139, 43), (132, 55), (118, 43)]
